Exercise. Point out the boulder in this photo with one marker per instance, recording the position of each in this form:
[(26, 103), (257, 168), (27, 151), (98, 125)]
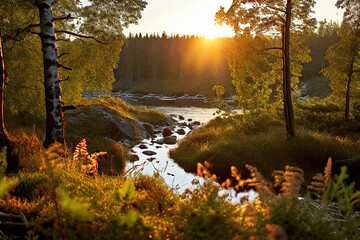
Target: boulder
[(167, 132), (181, 117), (149, 128), (181, 131), (92, 120), (149, 153), (190, 120), (196, 123), (170, 140)]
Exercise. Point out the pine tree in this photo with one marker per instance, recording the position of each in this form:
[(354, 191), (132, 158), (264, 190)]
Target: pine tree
[(279, 17), (343, 56)]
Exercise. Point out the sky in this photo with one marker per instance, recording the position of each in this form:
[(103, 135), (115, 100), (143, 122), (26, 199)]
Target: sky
[(196, 17)]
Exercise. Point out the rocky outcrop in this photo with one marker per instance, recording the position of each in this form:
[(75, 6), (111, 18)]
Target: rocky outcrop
[(98, 120)]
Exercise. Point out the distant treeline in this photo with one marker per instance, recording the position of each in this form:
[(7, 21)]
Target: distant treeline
[(190, 64), (180, 63)]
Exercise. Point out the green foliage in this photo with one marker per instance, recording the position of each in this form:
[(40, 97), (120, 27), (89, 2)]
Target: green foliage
[(222, 106), (78, 210), (92, 65), (343, 64), (7, 184), (206, 215), (34, 186), (247, 63), (342, 193), (126, 191), (24, 92)]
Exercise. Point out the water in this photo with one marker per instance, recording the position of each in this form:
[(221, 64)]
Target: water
[(173, 175)]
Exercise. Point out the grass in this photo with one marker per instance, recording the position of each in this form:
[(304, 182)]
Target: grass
[(60, 202), (326, 115), (259, 141), (119, 107)]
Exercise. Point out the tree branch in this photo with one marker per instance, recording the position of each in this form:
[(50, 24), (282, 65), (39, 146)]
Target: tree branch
[(63, 39), (276, 9), (63, 18), (62, 66), (62, 55), (78, 35)]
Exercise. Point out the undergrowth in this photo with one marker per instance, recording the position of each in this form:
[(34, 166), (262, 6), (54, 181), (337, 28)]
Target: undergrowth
[(259, 140), (60, 201)]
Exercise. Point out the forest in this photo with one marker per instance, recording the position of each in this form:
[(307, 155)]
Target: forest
[(83, 158)]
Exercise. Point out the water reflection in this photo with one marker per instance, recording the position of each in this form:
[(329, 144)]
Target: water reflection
[(173, 175)]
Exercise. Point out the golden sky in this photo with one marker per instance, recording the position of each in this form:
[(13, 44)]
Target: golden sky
[(196, 17)]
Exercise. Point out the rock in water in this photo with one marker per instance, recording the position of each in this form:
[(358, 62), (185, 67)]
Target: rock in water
[(149, 153), (181, 117), (170, 140), (180, 131), (167, 132), (159, 141), (143, 146)]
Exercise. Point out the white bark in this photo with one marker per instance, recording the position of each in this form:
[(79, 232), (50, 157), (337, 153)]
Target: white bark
[(54, 115)]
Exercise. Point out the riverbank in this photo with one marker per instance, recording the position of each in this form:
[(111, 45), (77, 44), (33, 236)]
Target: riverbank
[(59, 200), (259, 140)]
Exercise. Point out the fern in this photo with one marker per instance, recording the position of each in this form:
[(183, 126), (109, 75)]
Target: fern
[(81, 153), (321, 182)]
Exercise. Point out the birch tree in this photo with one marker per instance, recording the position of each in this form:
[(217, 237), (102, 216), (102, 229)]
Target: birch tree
[(97, 19), (272, 17)]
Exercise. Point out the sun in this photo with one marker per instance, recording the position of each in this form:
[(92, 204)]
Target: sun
[(216, 31)]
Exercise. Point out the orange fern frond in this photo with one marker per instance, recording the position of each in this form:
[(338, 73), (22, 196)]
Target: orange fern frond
[(327, 173), (293, 178), (258, 181)]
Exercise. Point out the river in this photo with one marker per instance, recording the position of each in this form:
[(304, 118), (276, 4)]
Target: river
[(173, 175)]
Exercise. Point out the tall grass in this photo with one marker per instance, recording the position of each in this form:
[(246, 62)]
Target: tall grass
[(260, 142), (119, 107)]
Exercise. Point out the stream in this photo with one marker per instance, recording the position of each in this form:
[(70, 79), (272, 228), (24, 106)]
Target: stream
[(173, 175)]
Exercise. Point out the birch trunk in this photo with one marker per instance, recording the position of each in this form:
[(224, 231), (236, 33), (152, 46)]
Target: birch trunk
[(54, 115)]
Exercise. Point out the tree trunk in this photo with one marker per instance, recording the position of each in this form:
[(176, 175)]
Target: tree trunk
[(13, 165), (54, 115), (347, 98), (288, 105), (353, 52)]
